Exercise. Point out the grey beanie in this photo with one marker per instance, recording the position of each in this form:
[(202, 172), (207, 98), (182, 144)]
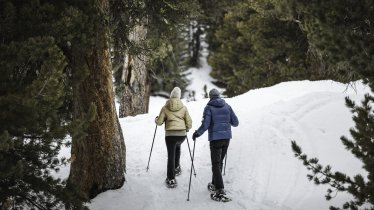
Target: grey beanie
[(175, 93), (214, 93)]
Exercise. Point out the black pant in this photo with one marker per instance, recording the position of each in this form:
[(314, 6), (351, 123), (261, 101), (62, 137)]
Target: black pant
[(173, 145), (218, 150)]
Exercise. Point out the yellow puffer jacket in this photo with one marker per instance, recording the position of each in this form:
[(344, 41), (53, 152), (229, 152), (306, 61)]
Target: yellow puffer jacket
[(175, 115)]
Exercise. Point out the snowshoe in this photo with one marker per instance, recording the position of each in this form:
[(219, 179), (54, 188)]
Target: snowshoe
[(178, 171), (171, 183), (211, 187), (220, 196)]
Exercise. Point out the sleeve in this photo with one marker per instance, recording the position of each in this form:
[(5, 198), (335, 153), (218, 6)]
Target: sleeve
[(161, 117), (188, 120), (233, 118), (205, 123)]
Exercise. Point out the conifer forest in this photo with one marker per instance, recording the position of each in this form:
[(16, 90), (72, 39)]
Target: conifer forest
[(65, 64)]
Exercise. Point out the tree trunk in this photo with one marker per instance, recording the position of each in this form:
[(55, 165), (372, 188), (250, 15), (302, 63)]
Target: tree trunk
[(136, 88), (196, 46), (97, 159)]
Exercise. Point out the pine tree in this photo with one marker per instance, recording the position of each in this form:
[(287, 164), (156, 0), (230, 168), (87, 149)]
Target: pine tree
[(168, 64), (342, 30), (34, 121), (55, 61), (362, 147), (131, 76), (150, 63), (98, 154), (168, 37), (257, 49)]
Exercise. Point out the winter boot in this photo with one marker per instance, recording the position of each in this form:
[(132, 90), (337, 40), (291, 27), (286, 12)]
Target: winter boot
[(211, 187), (220, 195), (178, 171), (171, 183)]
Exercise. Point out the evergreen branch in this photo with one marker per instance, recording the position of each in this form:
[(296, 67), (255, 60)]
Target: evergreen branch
[(39, 206), (338, 180), (32, 137), (44, 85)]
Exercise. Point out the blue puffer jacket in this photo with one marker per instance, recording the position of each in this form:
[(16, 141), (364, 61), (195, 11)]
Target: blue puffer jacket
[(218, 118)]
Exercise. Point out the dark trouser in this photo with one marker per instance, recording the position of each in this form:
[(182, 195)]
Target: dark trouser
[(218, 150), (173, 145)]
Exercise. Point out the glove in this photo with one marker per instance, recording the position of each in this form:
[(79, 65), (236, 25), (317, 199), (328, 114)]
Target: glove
[(156, 119), (195, 135)]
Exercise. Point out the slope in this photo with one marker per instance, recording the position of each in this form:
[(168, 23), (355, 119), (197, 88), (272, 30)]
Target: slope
[(261, 171)]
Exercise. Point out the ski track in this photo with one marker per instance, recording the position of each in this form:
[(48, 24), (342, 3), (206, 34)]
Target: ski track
[(286, 127)]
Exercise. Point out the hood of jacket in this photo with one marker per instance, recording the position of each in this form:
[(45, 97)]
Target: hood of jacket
[(217, 102), (174, 104)]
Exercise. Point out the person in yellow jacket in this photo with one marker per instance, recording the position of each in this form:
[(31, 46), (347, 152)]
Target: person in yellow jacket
[(177, 123)]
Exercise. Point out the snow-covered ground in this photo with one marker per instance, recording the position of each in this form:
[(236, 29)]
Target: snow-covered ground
[(262, 172), (199, 77)]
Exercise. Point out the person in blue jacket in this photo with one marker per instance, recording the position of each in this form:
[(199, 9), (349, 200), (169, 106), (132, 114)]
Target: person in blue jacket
[(218, 118)]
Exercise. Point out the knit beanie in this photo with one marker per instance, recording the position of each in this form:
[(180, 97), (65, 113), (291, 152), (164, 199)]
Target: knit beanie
[(214, 93), (175, 93)]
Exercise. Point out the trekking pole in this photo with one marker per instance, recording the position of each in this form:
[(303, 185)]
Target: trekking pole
[(189, 149), (150, 153), (189, 185), (224, 170)]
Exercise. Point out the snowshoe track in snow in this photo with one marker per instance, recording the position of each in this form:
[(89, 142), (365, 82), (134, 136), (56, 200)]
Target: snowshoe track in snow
[(261, 173)]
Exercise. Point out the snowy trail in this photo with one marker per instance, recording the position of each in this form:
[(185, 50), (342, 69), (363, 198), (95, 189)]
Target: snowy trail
[(262, 172)]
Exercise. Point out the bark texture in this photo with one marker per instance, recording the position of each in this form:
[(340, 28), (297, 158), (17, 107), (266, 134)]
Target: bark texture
[(135, 80), (98, 159)]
